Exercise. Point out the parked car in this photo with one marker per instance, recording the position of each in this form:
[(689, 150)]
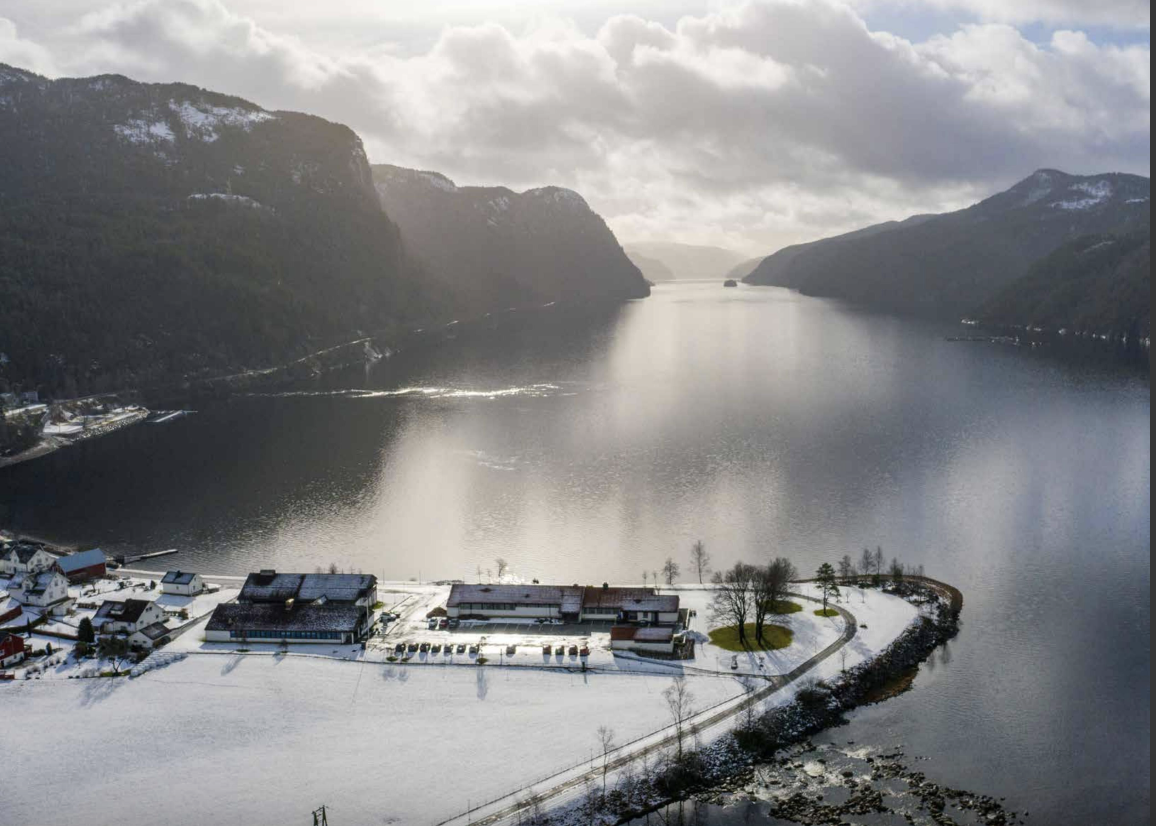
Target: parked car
[(510, 649), (573, 650), (423, 647), (435, 649), (560, 650), (399, 648), (412, 646), (461, 647), (584, 651), (546, 649), (454, 623), (473, 649)]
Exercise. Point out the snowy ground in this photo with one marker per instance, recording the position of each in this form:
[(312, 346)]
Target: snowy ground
[(268, 736), (266, 739)]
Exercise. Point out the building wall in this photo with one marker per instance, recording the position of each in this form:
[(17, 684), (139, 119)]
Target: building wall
[(252, 637), (91, 572), (643, 647), (525, 611), (190, 590)]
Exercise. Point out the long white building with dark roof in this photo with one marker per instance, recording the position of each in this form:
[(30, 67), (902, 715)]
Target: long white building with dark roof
[(569, 603)]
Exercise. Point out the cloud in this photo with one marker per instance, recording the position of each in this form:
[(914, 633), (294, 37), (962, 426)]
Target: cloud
[(753, 126), (1117, 13), (25, 54)]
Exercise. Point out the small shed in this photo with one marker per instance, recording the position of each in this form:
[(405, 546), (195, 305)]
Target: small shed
[(657, 640), (11, 650)]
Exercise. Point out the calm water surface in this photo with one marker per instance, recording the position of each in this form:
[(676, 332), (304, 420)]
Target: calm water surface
[(758, 420)]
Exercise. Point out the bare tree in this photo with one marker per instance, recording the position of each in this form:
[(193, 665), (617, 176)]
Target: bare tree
[(732, 602), (332, 567), (479, 571), (782, 574), (896, 569), (878, 559), (606, 743), (866, 562), (769, 591), (699, 559), (502, 567), (116, 650), (846, 568), (670, 571), (679, 701), (645, 578)]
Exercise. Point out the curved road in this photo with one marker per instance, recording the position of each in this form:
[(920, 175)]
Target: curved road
[(566, 780)]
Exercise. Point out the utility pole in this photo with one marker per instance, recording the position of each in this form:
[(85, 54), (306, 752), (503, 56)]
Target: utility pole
[(319, 818)]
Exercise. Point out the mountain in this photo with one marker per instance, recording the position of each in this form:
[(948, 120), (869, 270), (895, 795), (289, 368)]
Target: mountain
[(688, 260), (744, 268), (1096, 284), (652, 269), (153, 231), (947, 265), (494, 247)]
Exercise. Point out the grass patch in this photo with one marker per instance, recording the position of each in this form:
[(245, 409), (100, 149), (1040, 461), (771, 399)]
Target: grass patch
[(829, 612), (774, 637), (785, 606)]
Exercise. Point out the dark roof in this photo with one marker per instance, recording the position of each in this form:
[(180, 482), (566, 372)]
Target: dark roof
[(128, 611), (567, 597), (629, 599), (155, 631), (178, 577), (25, 552), (84, 559), (272, 587), (272, 617)]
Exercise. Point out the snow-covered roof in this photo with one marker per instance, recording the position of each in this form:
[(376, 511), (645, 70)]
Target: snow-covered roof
[(84, 559), (273, 617), (272, 587), (638, 634), (567, 597), (628, 599), (178, 577)]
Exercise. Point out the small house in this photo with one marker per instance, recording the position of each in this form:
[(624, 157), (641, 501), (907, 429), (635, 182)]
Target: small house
[(11, 650), (150, 637), (182, 583), (83, 566), (47, 590), (126, 617)]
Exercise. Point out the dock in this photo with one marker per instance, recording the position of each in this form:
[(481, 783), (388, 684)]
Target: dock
[(121, 559)]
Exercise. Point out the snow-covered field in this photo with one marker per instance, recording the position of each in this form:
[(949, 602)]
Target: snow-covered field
[(266, 739)]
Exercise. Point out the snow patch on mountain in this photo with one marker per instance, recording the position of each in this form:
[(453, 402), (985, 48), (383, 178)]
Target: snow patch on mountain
[(559, 195), (1041, 187), (438, 181), (228, 198), (1094, 192), (202, 120), (140, 131)]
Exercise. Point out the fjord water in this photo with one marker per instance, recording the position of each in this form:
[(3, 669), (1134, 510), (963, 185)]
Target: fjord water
[(761, 421)]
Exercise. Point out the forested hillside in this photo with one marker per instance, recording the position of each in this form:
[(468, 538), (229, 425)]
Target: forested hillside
[(494, 247), (150, 231), (947, 265)]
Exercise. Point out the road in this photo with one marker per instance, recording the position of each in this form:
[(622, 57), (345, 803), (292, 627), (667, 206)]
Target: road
[(709, 723)]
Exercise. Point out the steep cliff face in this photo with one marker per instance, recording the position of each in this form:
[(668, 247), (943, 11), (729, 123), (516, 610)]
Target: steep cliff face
[(947, 265), (495, 247), (149, 231)]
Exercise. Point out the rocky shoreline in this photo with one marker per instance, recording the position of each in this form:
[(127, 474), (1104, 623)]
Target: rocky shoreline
[(731, 765)]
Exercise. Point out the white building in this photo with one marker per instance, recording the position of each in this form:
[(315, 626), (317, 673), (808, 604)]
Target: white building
[(24, 557), (569, 603), (182, 583), (149, 637), (47, 590), (127, 617), (655, 640)]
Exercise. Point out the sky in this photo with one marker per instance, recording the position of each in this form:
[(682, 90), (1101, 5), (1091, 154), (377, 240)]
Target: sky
[(749, 125)]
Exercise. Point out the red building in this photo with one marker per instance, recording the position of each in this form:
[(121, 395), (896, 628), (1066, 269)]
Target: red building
[(82, 566), (11, 650)]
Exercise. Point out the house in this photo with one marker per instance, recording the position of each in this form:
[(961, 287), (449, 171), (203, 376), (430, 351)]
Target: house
[(11, 650), (182, 583), (567, 603), (652, 640), (24, 557), (305, 608), (47, 590), (126, 617), (151, 636), (83, 566)]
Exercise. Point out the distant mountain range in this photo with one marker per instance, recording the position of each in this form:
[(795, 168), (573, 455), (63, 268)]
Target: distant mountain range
[(151, 233), (971, 262), (493, 247), (683, 261)]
